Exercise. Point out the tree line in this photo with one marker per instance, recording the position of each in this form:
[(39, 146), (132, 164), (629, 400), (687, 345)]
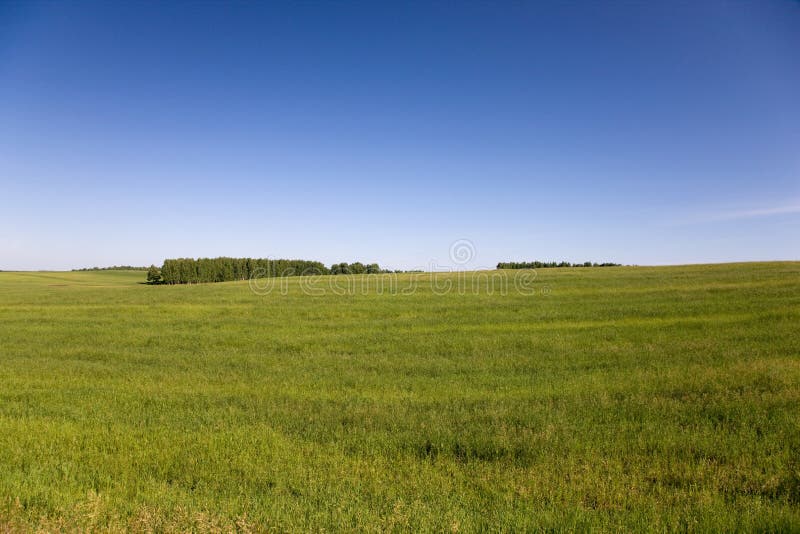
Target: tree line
[(203, 270), (549, 264), (355, 268), (112, 268)]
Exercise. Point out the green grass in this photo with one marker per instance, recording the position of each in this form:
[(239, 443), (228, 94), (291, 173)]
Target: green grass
[(620, 398)]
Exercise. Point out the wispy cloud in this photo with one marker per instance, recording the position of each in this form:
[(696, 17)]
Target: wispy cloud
[(741, 214), (763, 212)]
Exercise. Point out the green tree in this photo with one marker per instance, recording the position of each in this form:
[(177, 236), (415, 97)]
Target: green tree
[(153, 275)]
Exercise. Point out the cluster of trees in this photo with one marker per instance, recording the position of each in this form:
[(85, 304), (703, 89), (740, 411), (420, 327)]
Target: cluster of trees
[(355, 268), (547, 264), (195, 271), (112, 268)]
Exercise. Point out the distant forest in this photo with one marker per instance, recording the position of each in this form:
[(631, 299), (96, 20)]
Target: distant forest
[(112, 268), (195, 271), (204, 270), (548, 264)]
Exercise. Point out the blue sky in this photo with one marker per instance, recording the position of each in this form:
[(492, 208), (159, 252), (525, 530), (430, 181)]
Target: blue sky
[(632, 132)]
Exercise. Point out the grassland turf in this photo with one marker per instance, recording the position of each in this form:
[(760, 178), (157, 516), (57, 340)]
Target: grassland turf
[(647, 399)]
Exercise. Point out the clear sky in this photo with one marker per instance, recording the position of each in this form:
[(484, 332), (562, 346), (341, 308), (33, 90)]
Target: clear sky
[(635, 132)]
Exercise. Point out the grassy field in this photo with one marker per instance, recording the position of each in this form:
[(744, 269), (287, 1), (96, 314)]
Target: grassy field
[(655, 399)]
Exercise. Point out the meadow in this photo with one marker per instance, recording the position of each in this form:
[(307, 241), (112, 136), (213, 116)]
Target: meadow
[(623, 398)]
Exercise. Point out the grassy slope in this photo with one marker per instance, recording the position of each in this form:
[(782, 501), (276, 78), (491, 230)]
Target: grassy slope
[(658, 398)]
